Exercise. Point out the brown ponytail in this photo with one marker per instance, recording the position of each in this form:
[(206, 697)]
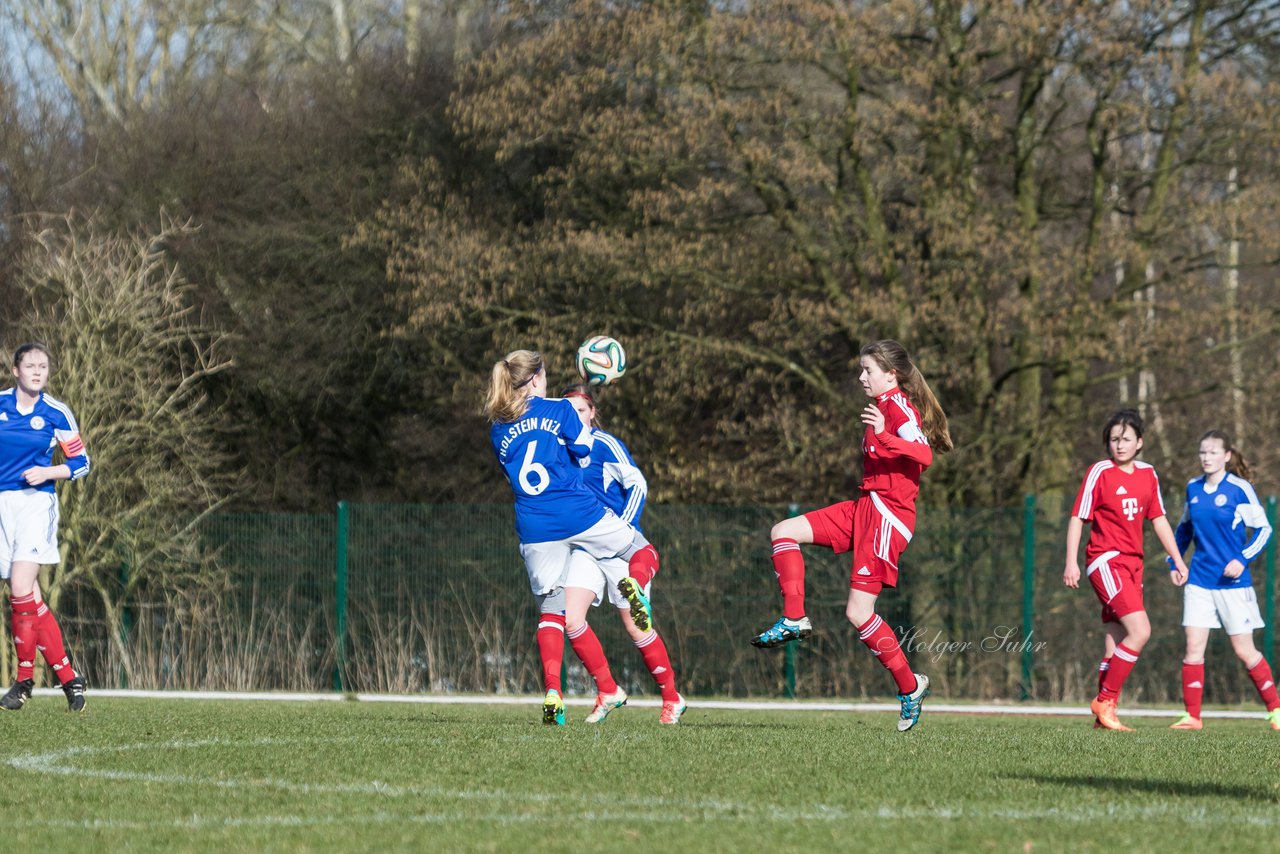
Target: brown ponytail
[(1236, 465), (892, 358)]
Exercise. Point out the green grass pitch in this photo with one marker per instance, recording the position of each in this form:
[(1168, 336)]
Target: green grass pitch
[(144, 775)]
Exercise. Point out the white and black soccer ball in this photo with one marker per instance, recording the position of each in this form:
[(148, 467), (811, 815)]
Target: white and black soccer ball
[(601, 360)]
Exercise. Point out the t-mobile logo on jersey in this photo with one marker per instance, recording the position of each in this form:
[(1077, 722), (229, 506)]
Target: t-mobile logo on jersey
[(1129, 507)]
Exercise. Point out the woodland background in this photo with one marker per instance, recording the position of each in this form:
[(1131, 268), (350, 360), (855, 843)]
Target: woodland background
[(276, 245)]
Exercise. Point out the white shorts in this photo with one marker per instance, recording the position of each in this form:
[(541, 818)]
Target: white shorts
[(1235, 610), (548, 563), (28, 528), (601, 575)]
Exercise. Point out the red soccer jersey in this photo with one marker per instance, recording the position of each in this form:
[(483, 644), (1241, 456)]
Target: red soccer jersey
[(893, 459), (1116, 503)]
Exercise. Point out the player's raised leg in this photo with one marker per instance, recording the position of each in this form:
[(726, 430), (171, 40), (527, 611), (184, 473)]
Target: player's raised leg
[(788, 568)]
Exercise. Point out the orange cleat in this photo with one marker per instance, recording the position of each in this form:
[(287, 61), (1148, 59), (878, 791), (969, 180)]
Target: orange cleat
[(1105, 711), (1187, 722)]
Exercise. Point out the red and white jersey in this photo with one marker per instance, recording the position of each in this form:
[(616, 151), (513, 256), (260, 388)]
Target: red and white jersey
[(893, 460), (1117, 502)]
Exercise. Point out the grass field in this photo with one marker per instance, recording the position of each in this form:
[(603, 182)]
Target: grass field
[(243, 775)]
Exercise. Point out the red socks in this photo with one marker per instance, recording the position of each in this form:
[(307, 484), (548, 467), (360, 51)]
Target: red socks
[(659, 664), (1122, 663), (550, 637), (1103, 667), (878, 637), (1193, 686), (788, 565), (643, 565), (587, 647), (24, 633), (1260, 673), (49, 642)]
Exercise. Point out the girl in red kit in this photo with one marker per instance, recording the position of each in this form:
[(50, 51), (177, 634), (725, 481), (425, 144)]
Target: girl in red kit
[(1116, 496), (902, 423)]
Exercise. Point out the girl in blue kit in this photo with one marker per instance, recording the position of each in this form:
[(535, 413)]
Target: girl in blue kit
[(620, 485), (542, 445), (32, 426), (1220, 511)]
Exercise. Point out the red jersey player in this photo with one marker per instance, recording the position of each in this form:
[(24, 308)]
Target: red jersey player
[(1116, 496), (903, 425)]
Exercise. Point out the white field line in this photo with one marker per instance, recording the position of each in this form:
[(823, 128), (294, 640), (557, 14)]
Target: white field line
[(644, 702), (598, 807)]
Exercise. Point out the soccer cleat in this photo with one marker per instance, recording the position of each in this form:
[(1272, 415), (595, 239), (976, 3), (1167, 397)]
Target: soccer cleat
[(783, 631), (671, 712), (553, 708), (17, 696), (1187, 722), (606, 703), (74, 689), (641, 613), (1273, 718), (1105, 712), (913, 703)]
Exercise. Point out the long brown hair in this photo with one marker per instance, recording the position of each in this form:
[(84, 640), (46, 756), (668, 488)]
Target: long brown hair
[(508, 398), (892, 358), (1236, 465)]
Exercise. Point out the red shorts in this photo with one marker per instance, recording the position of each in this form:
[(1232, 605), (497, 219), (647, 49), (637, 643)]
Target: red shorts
[(1117, 579), (875, 535)]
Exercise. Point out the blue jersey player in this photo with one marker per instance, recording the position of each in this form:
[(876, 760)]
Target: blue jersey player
[(33, 426), (614, 478), (1225, 520), (542, 445)]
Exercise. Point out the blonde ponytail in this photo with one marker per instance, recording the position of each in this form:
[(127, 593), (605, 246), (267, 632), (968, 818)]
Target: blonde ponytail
[(508, 398)]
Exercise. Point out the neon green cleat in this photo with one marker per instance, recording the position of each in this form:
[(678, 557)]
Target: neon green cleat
[(1187, 722), (641, 613), (553, 708), (1273, 718)]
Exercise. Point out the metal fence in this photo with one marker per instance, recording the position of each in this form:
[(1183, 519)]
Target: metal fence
[(434, 598)]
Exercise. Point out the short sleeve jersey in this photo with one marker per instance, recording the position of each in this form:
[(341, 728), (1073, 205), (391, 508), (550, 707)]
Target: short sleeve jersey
[(542, 455), (613, 476), (892, 476), (1218, 518), (1117, 502), (28, 439)]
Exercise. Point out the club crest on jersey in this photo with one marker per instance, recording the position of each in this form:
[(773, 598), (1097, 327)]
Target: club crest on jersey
[(37, 423), (1220, 501), (1129, 507)]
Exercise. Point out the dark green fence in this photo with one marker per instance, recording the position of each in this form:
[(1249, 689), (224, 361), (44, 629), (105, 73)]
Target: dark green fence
[(411, 598)]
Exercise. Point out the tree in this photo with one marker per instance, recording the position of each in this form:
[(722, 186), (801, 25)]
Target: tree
[(747, 195), (133, 359)]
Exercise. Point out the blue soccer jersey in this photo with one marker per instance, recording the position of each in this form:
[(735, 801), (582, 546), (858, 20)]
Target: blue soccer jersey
[(543, 454), (1216, 518), (29, 438), (615, 479)]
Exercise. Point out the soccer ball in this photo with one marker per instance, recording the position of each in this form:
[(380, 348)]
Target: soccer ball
[(601, 360)]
